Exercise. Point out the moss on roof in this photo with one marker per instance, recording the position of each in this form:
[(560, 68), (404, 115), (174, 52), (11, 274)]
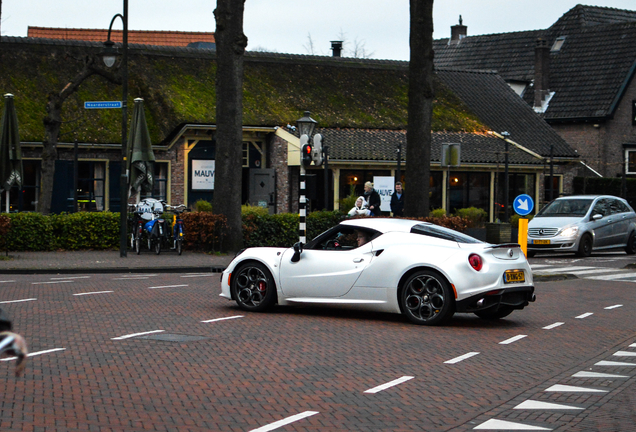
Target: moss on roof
[(179, 88)]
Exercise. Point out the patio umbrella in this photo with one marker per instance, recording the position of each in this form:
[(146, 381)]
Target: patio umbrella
[(10, 153), (141, 161)]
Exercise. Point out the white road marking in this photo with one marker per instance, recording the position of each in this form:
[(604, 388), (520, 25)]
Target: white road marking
[(130, 278), (633, 345), (389, 384), (222, 319), (536, 266), (594, 271), (551, 326), (7, 281), (565, 269), (37, 353), (51, 282), (587, 374), (585, 315), (613, 363), (71, 277), (573, 389), (533, 404), (625, 353), (512, 339), (17, 301), (494, 424), (132, 335), (617, 276), (614, 307), (94, 292), (167, 286), (198, 275), (460, 358), (285, 421)]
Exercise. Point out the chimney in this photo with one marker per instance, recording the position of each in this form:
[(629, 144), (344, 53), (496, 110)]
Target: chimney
[(336, 47), (541, 72), (458, 32)]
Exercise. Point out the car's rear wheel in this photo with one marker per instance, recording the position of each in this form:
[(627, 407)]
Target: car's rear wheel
[(631, 244), (502, 312), (585, 246), (427, 298), (253, 287)]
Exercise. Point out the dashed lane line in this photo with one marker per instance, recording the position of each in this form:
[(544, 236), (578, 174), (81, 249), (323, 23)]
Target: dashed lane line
[(533, 404), (198, 275), (613, 363), (94, 292), (51, 282), (132, 335), (588, 374), (614, 306), (222, 319), (7, 281), (512, 339), (625, 354), (37, 353), (573, 389), (461, 358), (555, 325), (389, 384), (494, 424), (285, 421), (17, 301), (71, 277), (167, 286), (585, 315)]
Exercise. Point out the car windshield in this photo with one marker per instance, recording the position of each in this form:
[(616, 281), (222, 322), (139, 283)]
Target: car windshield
[(443, 233), (566, 208)]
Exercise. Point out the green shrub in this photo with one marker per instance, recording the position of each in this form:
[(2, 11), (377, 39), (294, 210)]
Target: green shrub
[(204, 231), (437, 213), (475, 217), (514, 220), (30, 231), (85, 230), (203, 206), (257, 210), (349, 201), (5, 227)]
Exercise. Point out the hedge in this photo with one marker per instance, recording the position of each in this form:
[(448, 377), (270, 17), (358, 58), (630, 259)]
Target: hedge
[(204, 230), (605, 186)]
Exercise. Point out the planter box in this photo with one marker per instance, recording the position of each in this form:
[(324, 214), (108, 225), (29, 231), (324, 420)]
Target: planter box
[(497, 233)]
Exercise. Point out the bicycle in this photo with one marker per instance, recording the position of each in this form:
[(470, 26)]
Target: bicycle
[(137, 228), (148, 223), (178, 230)]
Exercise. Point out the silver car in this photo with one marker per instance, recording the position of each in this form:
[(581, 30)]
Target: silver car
[(581, 224)]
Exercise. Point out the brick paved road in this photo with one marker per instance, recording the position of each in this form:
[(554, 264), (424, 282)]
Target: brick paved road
[(252, 370)]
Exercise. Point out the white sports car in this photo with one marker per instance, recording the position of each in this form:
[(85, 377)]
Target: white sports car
[(419, 269)]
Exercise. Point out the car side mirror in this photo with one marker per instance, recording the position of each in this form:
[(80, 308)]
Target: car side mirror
[(298, 249), (597, 216)]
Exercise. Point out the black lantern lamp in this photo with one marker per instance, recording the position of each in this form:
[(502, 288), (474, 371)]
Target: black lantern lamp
[(109, 53), (306, 125)]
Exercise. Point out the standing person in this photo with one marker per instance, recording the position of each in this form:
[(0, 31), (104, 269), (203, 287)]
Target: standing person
[(373, 198), (397, 200)]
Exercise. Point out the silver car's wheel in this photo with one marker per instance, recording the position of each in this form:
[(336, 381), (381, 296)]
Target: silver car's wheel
[(253, 287), (585, 246), (631, 244), (426, 298)]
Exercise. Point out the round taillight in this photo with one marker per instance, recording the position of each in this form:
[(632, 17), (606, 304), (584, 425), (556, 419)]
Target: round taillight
[(475, 261)]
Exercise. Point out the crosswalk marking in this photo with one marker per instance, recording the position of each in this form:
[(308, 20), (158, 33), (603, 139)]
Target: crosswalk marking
[(586, 272), (565, 269), (614, 276)]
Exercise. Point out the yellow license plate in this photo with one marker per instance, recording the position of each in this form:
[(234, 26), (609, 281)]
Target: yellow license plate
[(514, 276), (540, 241)]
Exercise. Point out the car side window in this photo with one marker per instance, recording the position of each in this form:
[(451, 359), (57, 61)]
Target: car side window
[(619, 206), (342, 238), (601, 208)]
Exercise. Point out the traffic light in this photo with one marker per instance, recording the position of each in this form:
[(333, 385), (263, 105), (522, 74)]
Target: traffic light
[(317, 152), (306, 153)]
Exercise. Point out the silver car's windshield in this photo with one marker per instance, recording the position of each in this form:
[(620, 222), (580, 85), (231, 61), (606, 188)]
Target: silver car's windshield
[(566, 208)]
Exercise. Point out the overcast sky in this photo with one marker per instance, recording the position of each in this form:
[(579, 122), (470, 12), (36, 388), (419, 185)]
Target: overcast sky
[(377, 27)]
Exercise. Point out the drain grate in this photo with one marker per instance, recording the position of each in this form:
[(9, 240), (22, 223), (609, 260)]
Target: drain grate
[(167, 337)]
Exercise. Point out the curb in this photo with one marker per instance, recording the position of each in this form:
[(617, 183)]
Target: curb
[(553, 277), (202, 269)]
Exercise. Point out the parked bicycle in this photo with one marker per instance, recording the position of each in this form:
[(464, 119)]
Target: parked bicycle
[(178, 229), (148, 225)]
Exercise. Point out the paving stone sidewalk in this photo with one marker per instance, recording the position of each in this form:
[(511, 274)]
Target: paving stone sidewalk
[(110, 262)]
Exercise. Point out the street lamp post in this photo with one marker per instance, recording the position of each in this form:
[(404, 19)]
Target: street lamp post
[(109, 56), (306, 126)]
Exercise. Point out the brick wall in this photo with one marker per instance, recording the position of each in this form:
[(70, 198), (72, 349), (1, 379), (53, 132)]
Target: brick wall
[(277, 159)]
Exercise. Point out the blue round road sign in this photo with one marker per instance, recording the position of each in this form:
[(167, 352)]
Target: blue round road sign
[(523, 204)]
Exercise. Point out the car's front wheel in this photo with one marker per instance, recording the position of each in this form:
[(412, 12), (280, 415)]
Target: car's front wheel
[(631, 244), (253, 287), (585, 246), (427, 298)]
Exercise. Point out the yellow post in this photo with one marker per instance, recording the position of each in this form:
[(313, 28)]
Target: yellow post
[(523, 235)]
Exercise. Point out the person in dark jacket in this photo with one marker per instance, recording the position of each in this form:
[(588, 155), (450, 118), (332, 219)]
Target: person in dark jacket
[(373, 199), (397, 200)]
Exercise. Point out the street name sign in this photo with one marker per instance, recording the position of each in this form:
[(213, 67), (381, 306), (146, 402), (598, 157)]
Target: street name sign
[(102, 104)]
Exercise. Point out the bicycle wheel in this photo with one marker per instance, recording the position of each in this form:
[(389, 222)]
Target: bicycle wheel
[(138, 239), (179, 242), (157, 246)]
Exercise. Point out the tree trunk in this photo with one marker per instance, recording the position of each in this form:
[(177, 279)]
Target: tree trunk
[(53, 123), (418, 132), (230, 47)]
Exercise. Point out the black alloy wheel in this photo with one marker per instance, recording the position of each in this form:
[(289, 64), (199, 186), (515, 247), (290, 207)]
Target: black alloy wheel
[(585, 246), (427, 298), (253, 287), (631, 244)]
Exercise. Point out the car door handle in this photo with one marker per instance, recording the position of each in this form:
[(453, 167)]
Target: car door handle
[(358, 260)]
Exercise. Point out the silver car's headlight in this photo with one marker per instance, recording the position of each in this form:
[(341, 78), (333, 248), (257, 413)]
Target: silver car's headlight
[(569, 232)]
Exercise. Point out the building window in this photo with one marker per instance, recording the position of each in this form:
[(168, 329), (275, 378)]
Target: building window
[(469, 189), (25, 199), (631, 161), (90, 185), (160, 185), (518, 184), (558, 43)]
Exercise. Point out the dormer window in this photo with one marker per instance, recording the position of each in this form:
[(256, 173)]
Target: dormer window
[(558, 43)]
